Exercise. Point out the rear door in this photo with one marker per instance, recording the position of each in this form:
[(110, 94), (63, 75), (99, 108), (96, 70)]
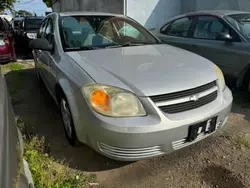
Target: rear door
[(177, 32)]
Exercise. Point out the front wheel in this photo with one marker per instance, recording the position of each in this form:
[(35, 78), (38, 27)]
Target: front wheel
[(68, 122)]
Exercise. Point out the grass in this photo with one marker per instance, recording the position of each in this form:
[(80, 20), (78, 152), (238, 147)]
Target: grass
[(243, 140), (46, 171), (16, 80), (12, 67)]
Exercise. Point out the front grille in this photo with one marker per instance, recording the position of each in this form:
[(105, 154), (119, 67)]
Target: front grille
[(181, 101), (181, 94), (130, 153), (181, 107)]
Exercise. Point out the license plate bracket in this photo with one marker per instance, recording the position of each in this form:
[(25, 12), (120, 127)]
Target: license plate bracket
[(206, 127)]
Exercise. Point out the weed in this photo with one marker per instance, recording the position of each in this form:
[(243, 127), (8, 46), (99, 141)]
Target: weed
[(16, 80), (12, 67), (46, 171), (243, 140)]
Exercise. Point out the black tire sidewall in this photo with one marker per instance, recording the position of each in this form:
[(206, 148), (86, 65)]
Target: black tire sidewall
[(72, 138)]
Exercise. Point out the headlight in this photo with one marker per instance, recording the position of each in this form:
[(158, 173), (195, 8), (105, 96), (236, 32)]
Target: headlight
[(221, 80), (31, 35), (113, 101)]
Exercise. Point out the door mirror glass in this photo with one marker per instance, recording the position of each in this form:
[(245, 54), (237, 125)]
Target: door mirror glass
[(41, 44), (224, 37)]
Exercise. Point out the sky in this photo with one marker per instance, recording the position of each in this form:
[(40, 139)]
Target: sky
[(36, 6)]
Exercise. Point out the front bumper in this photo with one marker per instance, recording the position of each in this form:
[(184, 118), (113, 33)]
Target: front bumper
[(131, 139)]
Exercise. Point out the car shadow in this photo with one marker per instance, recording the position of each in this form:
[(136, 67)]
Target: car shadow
[(241, 104), (34, 105)]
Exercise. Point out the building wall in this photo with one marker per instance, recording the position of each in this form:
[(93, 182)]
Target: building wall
[(113, 6), (153, 13), (150, 13), (194, 5)]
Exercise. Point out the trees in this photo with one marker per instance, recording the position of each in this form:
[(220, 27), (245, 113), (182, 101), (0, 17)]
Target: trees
[(48, 3), (24, 12), (6, 4)]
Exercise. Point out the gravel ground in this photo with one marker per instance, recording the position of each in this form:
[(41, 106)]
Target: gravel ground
[(222, 160)]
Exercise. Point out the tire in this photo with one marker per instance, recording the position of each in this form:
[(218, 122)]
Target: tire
[(68, 124)]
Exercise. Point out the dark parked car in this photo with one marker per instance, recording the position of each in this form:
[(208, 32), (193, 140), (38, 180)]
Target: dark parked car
[(14, 170), (27, 31), (220, 36), (7, 50)]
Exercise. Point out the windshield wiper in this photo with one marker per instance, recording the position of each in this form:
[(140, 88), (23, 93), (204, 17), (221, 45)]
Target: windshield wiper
[(81, 48), (125, 45)]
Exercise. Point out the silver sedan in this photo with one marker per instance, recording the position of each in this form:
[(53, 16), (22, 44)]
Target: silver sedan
[(124, 93)]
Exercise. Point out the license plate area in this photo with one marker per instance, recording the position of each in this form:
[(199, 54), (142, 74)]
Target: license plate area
[(206, 127)]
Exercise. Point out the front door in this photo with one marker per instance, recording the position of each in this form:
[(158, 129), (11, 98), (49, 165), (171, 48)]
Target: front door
[(231, 56), (49, 61)]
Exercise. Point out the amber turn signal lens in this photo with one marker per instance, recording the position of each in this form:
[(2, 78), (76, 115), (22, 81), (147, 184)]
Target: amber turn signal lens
[(7, 41), (100, 99)]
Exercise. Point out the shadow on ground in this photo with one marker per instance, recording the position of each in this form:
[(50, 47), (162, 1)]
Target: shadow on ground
[(241, 103), (33, 104), (218, 176)]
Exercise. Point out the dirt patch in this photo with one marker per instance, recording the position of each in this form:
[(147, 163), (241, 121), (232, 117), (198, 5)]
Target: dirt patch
[(219, 161)]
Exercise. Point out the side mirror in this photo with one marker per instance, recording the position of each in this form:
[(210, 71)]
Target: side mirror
[(225, 37), (41, 44)]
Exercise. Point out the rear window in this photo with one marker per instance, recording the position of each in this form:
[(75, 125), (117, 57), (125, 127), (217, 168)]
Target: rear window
[(33, 23)]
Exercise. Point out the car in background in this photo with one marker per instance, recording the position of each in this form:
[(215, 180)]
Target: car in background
[(7, 48), (124, 93), (14, 169), (26, 32), (221, 36)]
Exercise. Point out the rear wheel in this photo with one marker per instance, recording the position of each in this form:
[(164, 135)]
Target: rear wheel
[(69, 127)]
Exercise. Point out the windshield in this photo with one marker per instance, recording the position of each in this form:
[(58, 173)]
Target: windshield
[(33, 24), (241, 22), (90, 32)]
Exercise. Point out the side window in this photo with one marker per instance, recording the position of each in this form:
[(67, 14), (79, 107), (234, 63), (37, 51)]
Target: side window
[(209, 27), (179, 27), (48, 33), (41, 30)]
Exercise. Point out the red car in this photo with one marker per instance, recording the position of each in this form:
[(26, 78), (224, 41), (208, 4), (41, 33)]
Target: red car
[(7, 49)]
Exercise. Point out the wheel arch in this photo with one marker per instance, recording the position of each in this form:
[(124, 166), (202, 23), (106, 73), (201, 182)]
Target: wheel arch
[(244, 77), (63, 89)]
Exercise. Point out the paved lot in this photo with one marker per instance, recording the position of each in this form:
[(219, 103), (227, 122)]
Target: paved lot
[(220, 161)]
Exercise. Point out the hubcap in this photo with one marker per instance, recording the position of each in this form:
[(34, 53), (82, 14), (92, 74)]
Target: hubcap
[(66, 116)]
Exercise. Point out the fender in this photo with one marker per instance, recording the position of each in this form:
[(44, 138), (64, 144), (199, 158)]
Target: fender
[(69, 93)]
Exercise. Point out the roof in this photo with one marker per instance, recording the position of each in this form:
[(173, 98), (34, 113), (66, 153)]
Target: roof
[(85, 13), (217, 12)]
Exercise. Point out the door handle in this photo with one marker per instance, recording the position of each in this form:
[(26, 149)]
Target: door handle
[(193, 45)]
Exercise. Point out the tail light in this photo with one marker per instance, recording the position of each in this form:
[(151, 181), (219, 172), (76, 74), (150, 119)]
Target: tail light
[(6, 41)]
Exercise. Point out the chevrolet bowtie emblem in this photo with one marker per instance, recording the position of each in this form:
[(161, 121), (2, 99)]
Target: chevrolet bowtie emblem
[(194, 98)]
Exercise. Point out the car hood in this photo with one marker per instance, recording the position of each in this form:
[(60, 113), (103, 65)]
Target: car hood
[(146, 70)]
